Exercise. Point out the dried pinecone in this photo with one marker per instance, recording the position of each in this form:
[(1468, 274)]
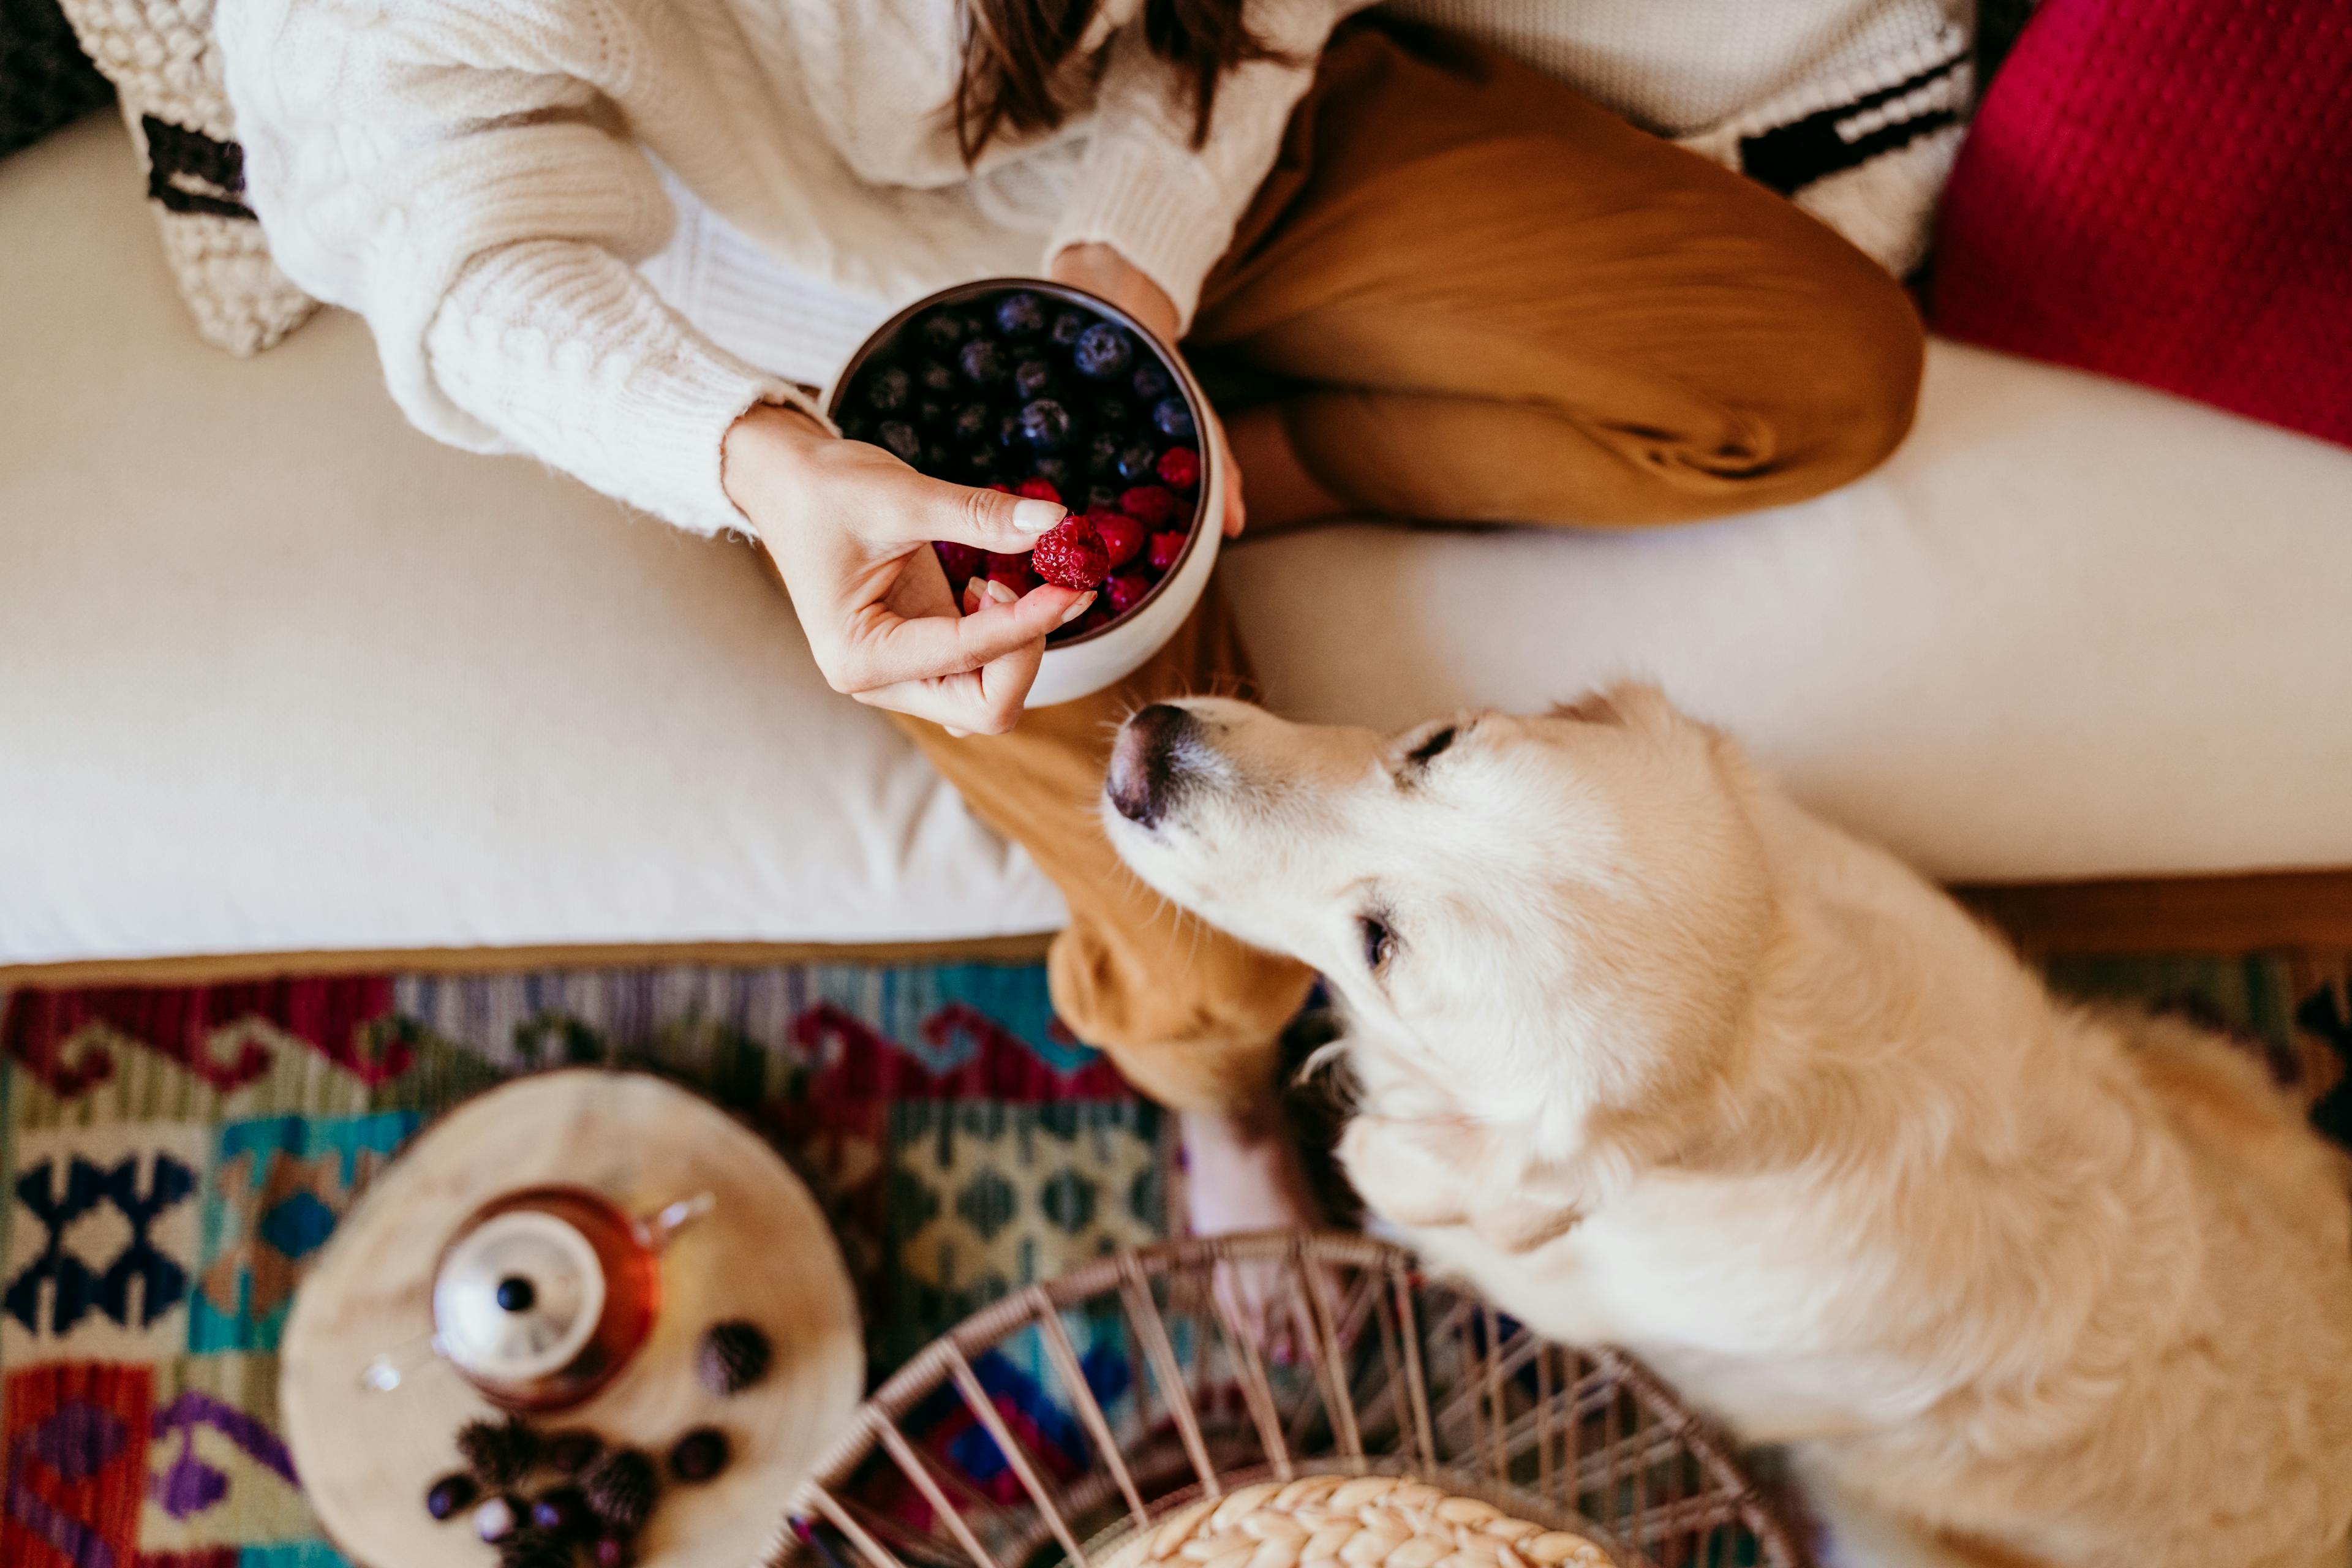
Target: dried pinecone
[(620, 1490), (500, 1452), (535, 1548), (733, 1357)]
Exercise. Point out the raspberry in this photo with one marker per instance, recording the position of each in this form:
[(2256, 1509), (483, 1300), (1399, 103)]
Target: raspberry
[(1072, 554), (1165, 548), (1121, 537), (1093, 619), (1001, 488), (1148, 505), (1181, 467), (1125, 591), (1038, 489), (961, 563), (1020, 581)]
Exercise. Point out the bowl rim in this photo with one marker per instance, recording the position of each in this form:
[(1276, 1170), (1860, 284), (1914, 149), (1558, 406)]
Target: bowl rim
[(1171, 360)]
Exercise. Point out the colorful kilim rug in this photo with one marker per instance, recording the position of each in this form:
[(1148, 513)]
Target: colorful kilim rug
[(174, 1157)]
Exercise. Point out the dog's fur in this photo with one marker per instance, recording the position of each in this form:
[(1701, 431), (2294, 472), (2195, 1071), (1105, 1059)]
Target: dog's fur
[(1655, 1057)]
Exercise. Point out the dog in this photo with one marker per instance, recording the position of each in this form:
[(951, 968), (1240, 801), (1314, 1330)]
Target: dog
[(1651, 1057)]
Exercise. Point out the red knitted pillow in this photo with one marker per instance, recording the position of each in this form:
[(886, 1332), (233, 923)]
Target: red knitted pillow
[(2161, 190)]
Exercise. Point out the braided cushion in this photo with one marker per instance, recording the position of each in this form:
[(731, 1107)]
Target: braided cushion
[(160, 56), (1360, 1521)]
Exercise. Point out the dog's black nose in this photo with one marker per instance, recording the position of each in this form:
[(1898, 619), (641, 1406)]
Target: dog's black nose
[(1144, 773)]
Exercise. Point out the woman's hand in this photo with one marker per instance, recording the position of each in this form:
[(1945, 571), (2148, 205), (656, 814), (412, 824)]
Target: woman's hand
[(850, 527), (1100, 270)]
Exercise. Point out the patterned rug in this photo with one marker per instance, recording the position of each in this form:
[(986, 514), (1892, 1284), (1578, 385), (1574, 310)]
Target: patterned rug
[(174, 1157)]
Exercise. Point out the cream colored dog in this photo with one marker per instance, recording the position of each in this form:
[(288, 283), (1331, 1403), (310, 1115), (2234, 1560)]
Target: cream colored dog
[(1656, 1059)]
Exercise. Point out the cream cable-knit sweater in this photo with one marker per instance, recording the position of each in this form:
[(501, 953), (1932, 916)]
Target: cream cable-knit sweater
[(478, 178)]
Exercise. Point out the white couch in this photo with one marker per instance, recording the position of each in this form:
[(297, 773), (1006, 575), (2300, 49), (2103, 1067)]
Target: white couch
[(278, 674)]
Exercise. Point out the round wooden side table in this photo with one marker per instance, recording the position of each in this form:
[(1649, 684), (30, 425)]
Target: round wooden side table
[(761, 1253)]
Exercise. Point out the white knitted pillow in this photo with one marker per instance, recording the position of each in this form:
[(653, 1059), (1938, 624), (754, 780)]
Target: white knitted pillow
[(167, 76)]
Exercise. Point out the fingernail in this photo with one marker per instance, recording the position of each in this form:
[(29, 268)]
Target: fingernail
[(974, 590), (1077, 608), (1000, 594), (959, 734), (1032, 515)]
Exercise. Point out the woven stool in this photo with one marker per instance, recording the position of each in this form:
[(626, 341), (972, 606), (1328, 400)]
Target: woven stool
[(1360, 1521)]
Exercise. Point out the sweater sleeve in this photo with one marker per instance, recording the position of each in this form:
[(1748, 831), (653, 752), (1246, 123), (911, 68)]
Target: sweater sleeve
[(1146, 190), (449, 172)]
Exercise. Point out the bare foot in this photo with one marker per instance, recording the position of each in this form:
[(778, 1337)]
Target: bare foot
[(1282, 493), (1242, 1173)]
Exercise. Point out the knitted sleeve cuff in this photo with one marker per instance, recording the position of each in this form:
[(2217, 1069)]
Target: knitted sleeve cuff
[(1162, 210)]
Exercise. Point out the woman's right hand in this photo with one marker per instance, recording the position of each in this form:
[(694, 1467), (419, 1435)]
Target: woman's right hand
[(850, 528)]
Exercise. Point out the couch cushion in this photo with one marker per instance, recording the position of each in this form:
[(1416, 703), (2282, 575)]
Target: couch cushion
[(278, 674)]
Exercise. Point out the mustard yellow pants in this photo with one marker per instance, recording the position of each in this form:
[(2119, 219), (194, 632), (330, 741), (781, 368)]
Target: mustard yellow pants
[(1472, 296)]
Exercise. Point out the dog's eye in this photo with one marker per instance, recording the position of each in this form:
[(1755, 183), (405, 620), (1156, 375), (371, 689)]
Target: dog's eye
[(1378, 942), (1431, 746)]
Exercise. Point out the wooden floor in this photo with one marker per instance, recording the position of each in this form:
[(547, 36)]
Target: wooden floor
[(2248, 913)]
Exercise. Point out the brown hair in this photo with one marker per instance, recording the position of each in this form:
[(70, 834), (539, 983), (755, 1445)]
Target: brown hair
[(1015, 50)]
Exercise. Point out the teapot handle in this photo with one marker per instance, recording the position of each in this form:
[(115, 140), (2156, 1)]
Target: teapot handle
[(657, 1229)]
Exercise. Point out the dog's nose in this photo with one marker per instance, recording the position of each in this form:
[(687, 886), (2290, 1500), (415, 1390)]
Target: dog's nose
[(1141, 782)]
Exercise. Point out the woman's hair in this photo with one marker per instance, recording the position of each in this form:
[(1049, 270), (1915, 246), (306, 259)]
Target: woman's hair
[(1015, 50)]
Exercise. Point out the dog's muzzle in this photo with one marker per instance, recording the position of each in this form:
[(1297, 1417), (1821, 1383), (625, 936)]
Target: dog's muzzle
[(1146, 772)]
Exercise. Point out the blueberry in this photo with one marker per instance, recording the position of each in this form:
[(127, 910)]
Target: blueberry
[(1018, 315), (975, 325), (1104, 350), (935, 376), (1045, 425), (971, 421), (1068, 326), (1152, 381), (857, 426), (1102, 453), (982, 362), (1112, 412), (1137, 463), (1055, 472), (899, 439), (1102, 498), (1032, 377), (930, 411), (562, 1513), (1174, 418), (888, 389), (702, 1453), (980, 462), (940, 333), (449, 1494), (936, 458)]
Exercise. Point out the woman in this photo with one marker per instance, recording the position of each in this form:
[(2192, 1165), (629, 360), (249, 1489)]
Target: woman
[(1451, 290)]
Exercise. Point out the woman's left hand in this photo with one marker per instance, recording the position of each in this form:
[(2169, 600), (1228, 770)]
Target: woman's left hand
[(1100, 270)]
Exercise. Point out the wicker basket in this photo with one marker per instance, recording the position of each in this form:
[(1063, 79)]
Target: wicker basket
[(1071, 1414)]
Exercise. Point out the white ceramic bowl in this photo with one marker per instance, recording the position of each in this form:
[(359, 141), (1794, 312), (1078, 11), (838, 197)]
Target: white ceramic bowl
[(1080, 667)]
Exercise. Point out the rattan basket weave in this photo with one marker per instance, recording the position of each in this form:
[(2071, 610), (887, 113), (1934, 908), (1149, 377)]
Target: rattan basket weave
[(1048, 1426)]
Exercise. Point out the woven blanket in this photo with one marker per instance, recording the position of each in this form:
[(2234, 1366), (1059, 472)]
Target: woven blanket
[(174, 1158)]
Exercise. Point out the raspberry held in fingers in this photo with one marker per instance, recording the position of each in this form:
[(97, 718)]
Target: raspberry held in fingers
[(1072, 554)]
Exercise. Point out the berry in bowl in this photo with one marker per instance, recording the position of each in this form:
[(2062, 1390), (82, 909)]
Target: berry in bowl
[(1038, 389)]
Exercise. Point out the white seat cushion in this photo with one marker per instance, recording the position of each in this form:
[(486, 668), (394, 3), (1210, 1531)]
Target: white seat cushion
[(278, 674)]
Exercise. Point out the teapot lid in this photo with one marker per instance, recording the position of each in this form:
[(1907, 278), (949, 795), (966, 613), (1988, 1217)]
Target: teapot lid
[(517, 1297)]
